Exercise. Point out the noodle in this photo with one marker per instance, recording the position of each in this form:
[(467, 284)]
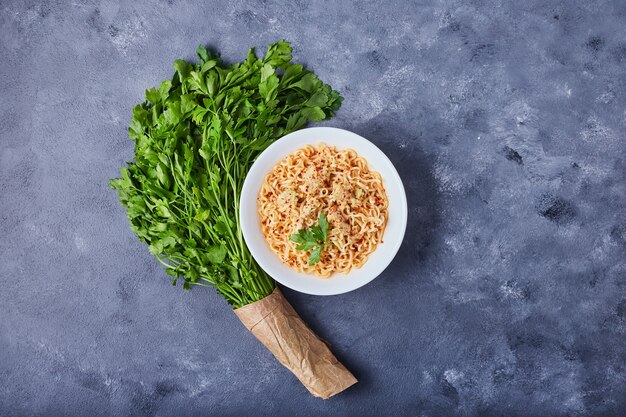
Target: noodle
[(335, 182)]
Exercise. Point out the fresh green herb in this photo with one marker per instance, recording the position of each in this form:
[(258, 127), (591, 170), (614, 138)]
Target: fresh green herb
[(313, 239), (195, 138)]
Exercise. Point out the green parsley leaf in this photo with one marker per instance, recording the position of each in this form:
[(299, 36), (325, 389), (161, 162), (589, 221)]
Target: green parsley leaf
[(312, 239), (323, 226), (315, 255)]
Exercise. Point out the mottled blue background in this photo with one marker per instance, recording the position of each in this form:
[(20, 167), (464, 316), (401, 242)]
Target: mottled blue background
[(507, 122)]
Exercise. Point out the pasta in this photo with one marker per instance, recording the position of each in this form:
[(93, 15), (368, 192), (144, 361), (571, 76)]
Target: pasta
[(335, 182)]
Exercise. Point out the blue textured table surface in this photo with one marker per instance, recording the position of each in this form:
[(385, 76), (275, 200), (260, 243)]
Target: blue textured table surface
[(507, 123)]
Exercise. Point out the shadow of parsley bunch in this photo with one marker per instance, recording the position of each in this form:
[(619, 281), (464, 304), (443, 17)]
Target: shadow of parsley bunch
[(196, 137)]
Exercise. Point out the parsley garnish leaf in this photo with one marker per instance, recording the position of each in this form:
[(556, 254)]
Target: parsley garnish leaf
[(323, 226), (315, 255), (313, 239)]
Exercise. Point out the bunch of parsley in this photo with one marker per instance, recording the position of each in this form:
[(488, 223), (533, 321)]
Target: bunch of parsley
[(195, 138)]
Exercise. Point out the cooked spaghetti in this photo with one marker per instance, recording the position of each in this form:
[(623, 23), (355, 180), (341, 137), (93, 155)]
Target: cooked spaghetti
[(335, 182)]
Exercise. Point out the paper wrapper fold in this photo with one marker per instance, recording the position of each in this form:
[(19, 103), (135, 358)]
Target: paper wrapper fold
[(277, 325)]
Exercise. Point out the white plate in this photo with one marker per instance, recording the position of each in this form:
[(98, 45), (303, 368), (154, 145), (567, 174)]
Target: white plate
[(337, 283)]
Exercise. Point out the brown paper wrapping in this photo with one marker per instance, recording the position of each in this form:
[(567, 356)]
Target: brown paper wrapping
[(277, 325)]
